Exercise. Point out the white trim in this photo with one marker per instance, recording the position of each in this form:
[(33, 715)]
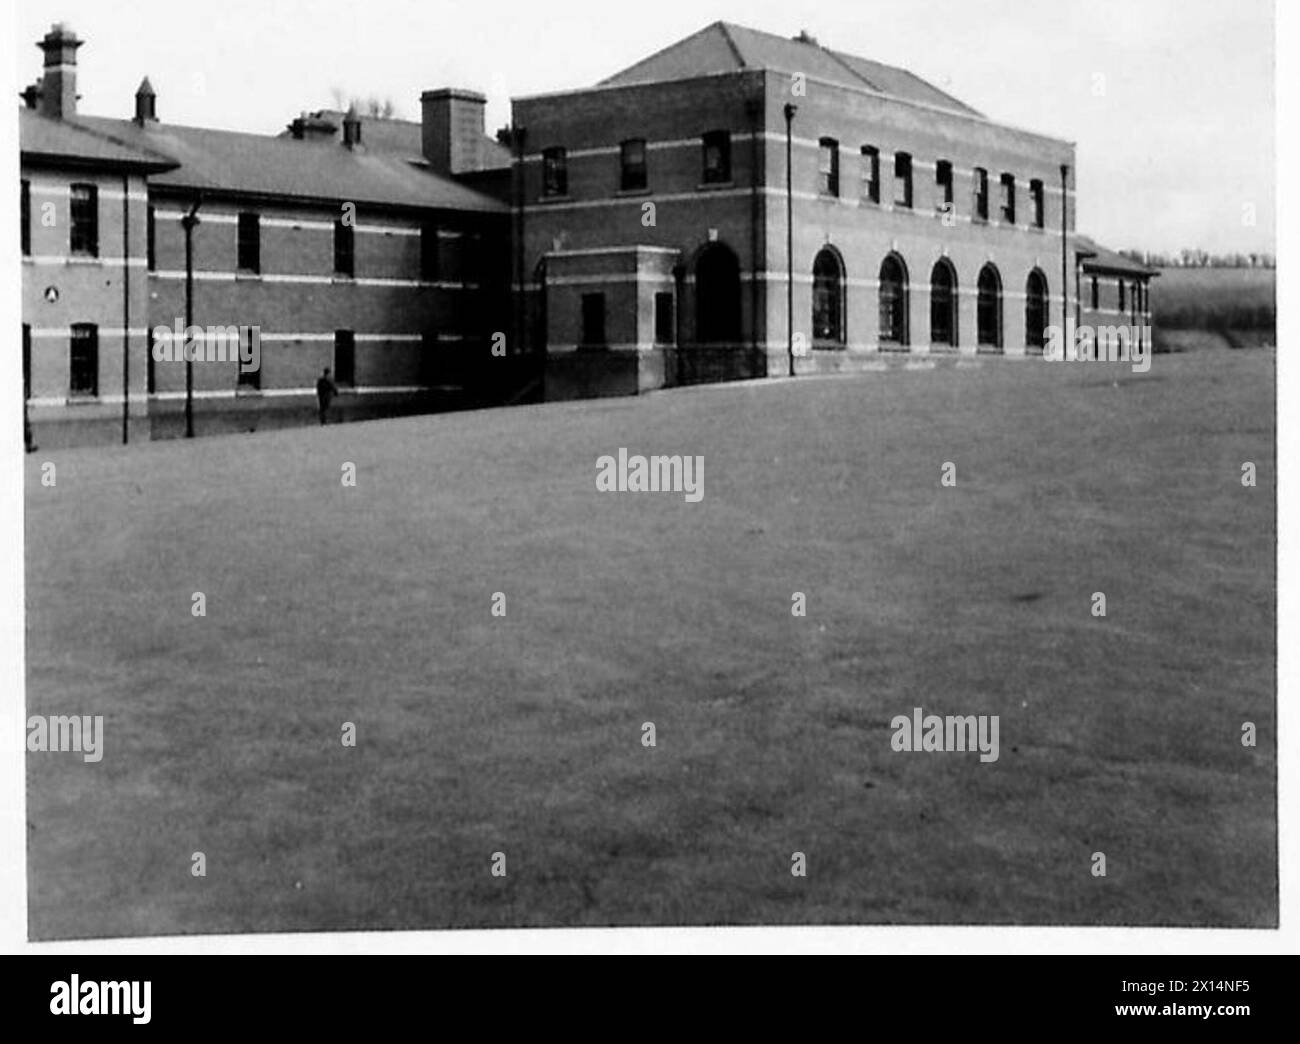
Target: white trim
[(74, 260), (103, 331), (316, 280)]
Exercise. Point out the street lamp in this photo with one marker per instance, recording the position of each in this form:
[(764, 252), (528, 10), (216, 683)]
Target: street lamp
[(188, 222)]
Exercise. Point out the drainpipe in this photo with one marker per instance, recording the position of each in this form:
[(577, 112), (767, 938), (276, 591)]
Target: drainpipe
[(126, 307), (790, 110), (754, 109), (188, 222), (517, 139), (1065, 237)]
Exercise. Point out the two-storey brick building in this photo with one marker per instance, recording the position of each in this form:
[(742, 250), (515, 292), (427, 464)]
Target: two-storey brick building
[(664, 237), (378, 262)]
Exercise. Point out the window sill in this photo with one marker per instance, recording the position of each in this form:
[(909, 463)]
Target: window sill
[(244, 390), (544, 200), (714, 186), (247, 275), (82, 398), (84, 259), (894, 346), (634, 192), (829, 346)]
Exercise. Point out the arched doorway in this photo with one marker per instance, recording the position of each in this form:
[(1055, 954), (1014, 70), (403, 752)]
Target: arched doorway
[(1036, 310), (717, 296), (943, 303), (893, 301), (828, 300), (988, 309)]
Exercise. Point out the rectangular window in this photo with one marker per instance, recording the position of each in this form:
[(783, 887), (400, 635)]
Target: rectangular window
[(902, 179), (632, 160), (828, 170), (871, 173), (555, 172), (1036, 201), (151, 258), (27, 361), (345, 357), (665, 327), (593, 320), (943, 181), (26, 217), (1009, 199), (717, 157), (1096, 294), (1121, 295), (429, 265), (981, 192), (85, 220), (249, 247), (251, 379), (84, 369), (344, 249)]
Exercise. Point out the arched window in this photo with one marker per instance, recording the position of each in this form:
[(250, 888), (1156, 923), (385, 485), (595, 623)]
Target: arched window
[(943, 303), (828, 300), (988, 308), (893, 301), (1036, 317), (717, 296)]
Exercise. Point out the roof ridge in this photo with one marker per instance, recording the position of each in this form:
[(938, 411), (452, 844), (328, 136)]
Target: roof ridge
[(840, 61), (662, 51), (731, 42)]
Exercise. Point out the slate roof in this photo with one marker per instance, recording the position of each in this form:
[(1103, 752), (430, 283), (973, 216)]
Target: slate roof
[(401, 137), (724, 47), (64, 142), (1097, 258), (259, 164)]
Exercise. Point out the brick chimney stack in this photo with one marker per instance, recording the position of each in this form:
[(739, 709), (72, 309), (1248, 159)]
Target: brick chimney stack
[(59, 80), (452, 122)]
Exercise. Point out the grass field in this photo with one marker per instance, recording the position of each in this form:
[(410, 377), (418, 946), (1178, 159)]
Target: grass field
[(521, 734)]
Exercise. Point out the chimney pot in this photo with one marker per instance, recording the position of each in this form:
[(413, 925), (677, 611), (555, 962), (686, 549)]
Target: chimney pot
[(145, 103)]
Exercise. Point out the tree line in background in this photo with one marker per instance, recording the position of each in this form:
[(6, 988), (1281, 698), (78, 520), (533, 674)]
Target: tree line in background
[(1200, 259)]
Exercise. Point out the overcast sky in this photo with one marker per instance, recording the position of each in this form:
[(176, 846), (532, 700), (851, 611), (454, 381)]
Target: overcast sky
[(1178, 141)]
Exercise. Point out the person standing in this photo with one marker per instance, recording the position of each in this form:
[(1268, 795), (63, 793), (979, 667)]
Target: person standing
[(325, 392)]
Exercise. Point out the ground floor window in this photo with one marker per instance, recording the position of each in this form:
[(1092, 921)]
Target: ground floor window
[(345, 357), (84, 370), (593, 321)]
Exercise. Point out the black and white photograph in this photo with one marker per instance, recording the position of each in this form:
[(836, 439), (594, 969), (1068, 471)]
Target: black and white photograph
[(503, 468)]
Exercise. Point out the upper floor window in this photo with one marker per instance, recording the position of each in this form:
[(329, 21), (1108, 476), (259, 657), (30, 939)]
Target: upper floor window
[(429, 252), (26, 217), (1009, 198), (249, 242), (1036, 201), (344, 249), (555, 172), (717, 157), (83, 372), (151, 259), (85, 220), (902, 179), (632, 165), (871, 173), (1121, 295), (1096, 294), (828, 170), (981, 194), (943, 182)]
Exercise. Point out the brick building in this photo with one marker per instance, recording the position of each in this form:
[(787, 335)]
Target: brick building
[(651, 220), (651, 227), (377, 261)]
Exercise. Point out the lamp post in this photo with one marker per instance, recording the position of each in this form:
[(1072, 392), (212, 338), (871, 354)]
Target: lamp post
[(790, 110), (1065, 237), (188, 222)]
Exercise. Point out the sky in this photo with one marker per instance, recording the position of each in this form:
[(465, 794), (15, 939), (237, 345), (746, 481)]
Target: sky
[(1170, 102)]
